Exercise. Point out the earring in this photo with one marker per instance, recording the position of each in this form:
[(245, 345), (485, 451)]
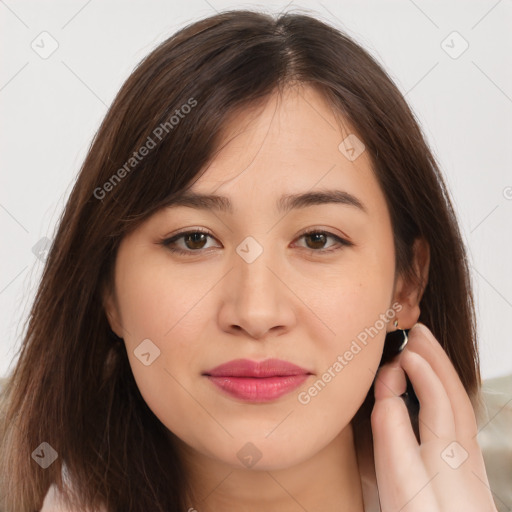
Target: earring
[(395, 342), (114, 337)]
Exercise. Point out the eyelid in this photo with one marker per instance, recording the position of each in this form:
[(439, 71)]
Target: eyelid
[(326, 230), (186, 231), (167, 241), (342, 240)]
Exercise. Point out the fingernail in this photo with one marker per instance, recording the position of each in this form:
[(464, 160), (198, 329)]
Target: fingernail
[(420, 326), (426, 331)]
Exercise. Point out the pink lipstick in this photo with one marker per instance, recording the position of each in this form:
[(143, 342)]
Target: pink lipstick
[(257, 381)]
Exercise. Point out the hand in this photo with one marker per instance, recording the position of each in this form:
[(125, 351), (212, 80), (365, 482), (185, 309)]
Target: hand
[(445, 472)]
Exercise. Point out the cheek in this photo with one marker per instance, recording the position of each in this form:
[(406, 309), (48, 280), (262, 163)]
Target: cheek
[(156, 301), (356, 306), (354, 303), (351, 354), (162, 307)]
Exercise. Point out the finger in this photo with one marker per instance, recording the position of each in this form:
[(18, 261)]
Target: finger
[(423, 342), (462, 482), (392, 429), (436, 418), (401, 476), (390, 380)]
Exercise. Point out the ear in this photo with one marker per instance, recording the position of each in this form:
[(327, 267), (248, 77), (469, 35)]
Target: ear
[(409, 292), (112, 311)]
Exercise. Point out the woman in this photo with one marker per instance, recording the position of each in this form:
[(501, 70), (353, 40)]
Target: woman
[(257, 232)]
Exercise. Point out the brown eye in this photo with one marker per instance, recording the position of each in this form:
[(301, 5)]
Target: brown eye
[(192, 241), (318, 239), (196, 240)]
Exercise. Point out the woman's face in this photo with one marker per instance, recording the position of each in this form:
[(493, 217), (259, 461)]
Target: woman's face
[(255, 288)]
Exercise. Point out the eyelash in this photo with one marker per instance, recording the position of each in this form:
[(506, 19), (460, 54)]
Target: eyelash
[(167, 242)]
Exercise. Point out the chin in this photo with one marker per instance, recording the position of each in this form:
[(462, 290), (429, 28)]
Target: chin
[(255, 453)]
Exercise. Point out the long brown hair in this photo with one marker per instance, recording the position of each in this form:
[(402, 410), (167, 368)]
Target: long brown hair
[(72, 386)]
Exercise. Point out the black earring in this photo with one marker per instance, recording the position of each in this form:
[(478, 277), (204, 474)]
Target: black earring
[(394, 344), (114, 337)]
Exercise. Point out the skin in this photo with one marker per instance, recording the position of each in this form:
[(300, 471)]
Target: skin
[(211, 306)]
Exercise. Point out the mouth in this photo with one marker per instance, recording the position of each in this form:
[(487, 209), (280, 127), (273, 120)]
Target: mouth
[(253, 381)]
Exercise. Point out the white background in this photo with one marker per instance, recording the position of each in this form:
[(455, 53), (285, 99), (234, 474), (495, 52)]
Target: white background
[(50, 109)]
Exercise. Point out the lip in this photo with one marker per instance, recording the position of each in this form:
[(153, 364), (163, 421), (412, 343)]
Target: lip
[(254, 381)]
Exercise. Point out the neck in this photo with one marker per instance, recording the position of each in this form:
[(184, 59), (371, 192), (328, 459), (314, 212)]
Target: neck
[(328, 481)]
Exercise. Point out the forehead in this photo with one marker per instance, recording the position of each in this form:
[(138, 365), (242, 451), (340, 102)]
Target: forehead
[(291, 144)]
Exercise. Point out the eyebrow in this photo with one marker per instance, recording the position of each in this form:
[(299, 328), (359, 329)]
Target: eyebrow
[(284, 204)]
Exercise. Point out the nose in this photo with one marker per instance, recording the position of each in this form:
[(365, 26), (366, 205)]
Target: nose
[(256, 298)]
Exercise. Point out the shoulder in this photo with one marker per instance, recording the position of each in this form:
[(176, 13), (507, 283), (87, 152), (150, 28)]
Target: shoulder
[(53, 501)]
